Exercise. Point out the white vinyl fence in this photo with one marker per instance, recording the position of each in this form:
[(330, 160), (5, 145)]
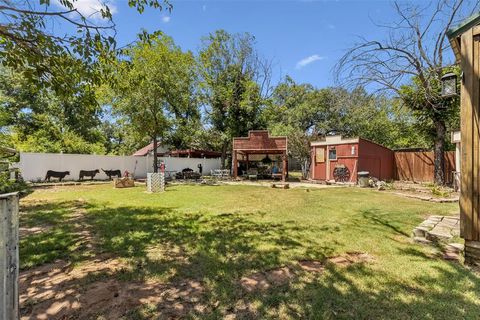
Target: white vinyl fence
[(34, 166)]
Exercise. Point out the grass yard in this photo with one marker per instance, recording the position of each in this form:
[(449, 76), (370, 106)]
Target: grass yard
[(127, 254)]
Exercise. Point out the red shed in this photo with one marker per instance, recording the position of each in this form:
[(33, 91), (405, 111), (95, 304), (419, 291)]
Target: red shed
[(353, 154)]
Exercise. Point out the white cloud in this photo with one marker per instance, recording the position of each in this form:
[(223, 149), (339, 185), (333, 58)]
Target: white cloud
[(166, 19), (306, 61), (91, 8)]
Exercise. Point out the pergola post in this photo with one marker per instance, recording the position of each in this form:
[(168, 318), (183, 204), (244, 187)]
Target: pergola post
[(235, 164)]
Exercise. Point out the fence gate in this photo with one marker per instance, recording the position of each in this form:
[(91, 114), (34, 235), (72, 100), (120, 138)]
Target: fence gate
[(9, 260)]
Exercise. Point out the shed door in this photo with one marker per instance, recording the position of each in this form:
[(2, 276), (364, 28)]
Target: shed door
[(320, 163)]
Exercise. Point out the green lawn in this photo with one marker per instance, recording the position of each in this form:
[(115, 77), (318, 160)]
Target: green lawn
[(221, 233)]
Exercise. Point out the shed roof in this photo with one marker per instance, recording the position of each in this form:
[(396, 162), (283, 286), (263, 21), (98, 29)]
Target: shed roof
[(144, 151)]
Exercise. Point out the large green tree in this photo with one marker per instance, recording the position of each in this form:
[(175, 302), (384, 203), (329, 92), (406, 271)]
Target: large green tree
[(36, 119), (48, 40), (233, 83), (155, 89)]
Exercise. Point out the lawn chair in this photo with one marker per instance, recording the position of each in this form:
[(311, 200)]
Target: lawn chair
[(252, 174)]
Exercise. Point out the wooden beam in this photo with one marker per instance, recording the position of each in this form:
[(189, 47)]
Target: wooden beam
[(475, 139), (466, 191), (235, 165)]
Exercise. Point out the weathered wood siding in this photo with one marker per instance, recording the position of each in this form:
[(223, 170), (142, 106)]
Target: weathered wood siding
[(419, 166), (470, 178), (9, 260), (376, 159), (260, 140)]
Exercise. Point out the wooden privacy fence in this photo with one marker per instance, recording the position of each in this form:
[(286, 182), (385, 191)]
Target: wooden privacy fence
[(419, 166), (9, 256)]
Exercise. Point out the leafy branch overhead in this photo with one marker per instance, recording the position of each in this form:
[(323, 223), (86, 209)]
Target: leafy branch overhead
[(43, 38)]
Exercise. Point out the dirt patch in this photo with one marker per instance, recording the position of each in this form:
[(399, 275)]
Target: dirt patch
[(262, 281), (266, 279), (25, 231), (312, 266), (350, 258), (59, 291)]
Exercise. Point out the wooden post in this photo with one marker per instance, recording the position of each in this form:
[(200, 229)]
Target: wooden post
[(284, 166), (470, 162), (235, 164), (248, 162), (9, 259)]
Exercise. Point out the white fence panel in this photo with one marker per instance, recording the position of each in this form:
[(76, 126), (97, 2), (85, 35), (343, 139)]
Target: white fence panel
[(34, 166)]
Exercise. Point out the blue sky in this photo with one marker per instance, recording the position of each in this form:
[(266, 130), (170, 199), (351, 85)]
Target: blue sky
[(303, 38)]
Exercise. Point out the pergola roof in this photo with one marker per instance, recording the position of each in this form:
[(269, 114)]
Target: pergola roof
[(260, 142)]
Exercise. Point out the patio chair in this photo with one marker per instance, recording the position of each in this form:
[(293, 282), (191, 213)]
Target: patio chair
[(252, 174)]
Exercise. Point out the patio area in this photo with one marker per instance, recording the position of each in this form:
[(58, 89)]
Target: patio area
[(260, 156)]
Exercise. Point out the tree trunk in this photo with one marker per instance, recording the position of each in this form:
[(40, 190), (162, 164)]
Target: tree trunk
[(439, 151), (155, 144), (224, 155), (305, 163)]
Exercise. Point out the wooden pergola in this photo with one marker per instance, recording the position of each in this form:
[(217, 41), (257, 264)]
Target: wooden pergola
[(259, 142)]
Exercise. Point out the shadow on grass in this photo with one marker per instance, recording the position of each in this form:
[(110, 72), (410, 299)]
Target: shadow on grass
[(218, 250), (436, 295), (56, 232)]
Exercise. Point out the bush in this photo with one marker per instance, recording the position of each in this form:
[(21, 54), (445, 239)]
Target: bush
[(8, 185)]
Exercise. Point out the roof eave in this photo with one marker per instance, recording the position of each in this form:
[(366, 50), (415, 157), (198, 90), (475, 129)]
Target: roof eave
[(455, 33)]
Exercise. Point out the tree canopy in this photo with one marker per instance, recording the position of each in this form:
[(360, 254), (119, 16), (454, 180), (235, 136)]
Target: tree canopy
[(155, 90), (233, 79), (49, 41)]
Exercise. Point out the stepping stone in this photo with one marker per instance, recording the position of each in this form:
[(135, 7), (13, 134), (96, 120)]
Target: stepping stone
[(420, 231), (449, 255), (439, 234), (456, 232), (449, 222), (428, 224), (455, 247), (422, 240)]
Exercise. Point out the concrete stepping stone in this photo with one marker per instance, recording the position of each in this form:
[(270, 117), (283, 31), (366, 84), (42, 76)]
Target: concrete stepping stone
[(450, 255), (455, 247), (438, 228), (422, 240)]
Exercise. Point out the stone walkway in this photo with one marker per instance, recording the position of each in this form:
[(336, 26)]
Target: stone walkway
[(437, 228), (440, 230)]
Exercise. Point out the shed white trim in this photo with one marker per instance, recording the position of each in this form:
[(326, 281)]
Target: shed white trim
[(334, 140)]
